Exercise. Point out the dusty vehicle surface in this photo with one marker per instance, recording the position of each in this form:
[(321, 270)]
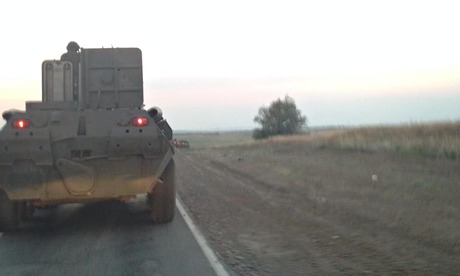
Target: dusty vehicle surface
[(89, 139)]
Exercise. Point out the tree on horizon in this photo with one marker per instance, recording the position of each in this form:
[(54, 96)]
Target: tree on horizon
[(280, 118)]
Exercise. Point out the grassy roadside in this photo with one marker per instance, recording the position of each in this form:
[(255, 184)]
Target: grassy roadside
[(428, 140), (201, 140), (417, 192), (434, 140)]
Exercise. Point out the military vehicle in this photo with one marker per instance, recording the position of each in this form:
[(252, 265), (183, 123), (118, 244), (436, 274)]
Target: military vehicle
[(89, 139)]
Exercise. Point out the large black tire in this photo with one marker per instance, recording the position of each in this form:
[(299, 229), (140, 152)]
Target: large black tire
[(162, 199), (10, 213)]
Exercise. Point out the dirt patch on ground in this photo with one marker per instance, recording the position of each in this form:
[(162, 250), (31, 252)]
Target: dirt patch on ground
[(282, 210)]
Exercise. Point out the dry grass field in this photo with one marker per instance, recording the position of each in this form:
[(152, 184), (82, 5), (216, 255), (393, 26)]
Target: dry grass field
[(432, 140), (429, 140), (383, 199)]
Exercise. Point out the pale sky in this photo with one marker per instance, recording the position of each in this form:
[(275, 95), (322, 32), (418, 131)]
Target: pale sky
[(211, 64)]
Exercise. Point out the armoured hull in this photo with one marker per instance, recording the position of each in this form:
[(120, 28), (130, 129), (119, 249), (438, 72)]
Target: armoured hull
[(69, 155), (88, 139)]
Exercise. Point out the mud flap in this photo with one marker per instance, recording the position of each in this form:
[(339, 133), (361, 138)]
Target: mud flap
[(168, 156)]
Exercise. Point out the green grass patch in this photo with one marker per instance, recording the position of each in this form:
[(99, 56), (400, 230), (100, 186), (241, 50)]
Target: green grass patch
[(200, 140)]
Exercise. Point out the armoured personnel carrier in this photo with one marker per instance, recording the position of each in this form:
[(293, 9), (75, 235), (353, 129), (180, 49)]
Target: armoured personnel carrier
[(89, 139)]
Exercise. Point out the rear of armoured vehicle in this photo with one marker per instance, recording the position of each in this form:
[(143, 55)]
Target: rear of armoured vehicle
[(89, 139)]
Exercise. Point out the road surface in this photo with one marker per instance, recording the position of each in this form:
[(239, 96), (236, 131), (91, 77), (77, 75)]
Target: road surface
[(105, 238)]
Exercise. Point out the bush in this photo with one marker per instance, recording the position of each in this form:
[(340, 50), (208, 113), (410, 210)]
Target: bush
[(281, 118)]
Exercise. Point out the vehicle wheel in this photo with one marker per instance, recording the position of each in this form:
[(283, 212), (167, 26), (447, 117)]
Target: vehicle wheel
[(162, 200), (9, 213)]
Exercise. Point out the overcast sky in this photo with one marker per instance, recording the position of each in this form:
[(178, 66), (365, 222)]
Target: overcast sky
[(211, 64)]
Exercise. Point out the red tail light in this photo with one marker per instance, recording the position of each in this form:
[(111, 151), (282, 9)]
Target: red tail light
[(140, 121), (20, 123)]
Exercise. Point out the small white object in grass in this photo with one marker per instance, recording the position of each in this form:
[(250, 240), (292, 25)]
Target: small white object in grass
[(375, 178), (321, 199)]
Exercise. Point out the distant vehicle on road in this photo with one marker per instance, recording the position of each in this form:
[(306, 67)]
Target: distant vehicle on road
[(181, 143)]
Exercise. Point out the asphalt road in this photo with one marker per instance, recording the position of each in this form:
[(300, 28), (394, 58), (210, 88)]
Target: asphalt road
[(106, 238)]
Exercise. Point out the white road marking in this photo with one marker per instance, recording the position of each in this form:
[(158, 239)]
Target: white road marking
[(212, 258)]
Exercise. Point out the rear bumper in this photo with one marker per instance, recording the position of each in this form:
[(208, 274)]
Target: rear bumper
[(90, 180)]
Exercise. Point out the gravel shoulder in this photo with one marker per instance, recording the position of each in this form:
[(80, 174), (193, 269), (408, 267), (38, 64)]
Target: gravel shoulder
[(288, 211)]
